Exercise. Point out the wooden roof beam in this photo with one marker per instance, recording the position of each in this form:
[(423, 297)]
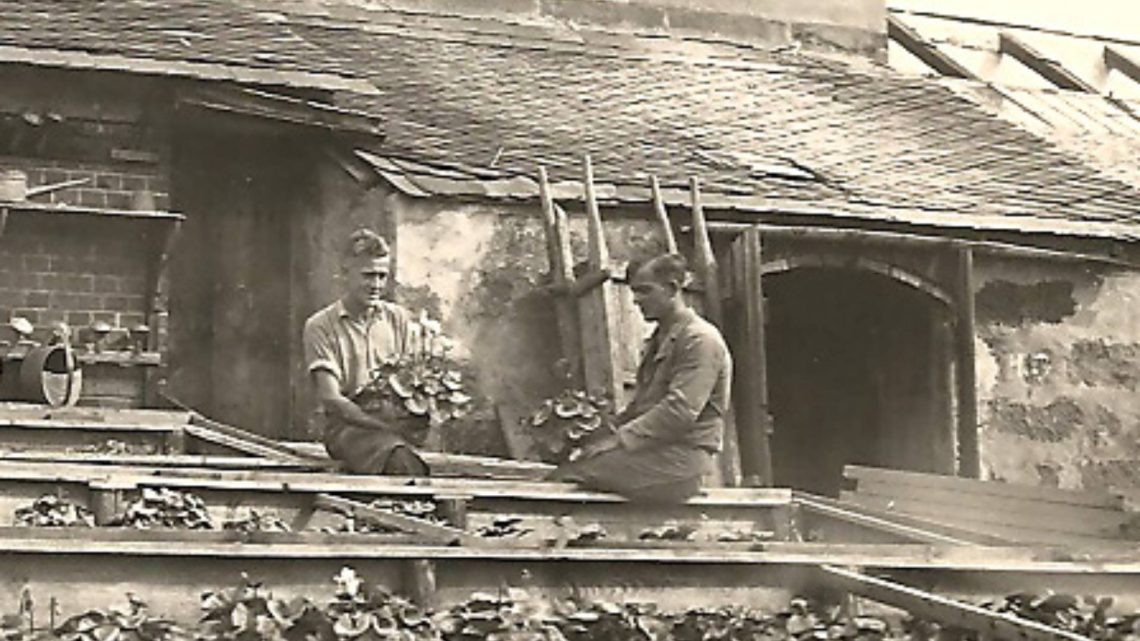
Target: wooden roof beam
[(925, 51), (1119, 60), (1047, 68)]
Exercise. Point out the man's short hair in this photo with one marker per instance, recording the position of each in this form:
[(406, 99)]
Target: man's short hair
[(365, 243), (664, 269)]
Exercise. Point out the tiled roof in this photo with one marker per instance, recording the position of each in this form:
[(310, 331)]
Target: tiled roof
[(871, 140), (469, 100), (216, 39)]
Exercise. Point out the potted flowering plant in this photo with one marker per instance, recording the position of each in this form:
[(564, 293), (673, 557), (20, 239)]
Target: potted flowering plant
[(423, 388), (569, 421)]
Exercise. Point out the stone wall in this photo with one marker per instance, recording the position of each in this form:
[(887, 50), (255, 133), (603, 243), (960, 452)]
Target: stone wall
[(1058, 367)]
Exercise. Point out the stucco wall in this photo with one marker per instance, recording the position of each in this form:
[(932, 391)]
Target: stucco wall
[(481, 270), (1058, 363)]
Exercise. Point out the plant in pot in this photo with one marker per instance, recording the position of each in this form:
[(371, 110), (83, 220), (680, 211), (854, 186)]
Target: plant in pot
[(421, 390), (565, 423)]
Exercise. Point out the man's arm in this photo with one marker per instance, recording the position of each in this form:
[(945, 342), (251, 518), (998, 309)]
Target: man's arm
[(336, 404), (698, 365)]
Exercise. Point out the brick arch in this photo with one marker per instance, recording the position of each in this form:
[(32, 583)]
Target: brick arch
[(894, 272)]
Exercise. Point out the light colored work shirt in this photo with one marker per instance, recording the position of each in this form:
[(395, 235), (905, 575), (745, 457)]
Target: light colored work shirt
[(683, 386), (352, 348)]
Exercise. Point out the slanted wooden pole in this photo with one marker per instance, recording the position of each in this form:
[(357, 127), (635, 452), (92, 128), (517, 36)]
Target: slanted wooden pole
[(600, 352), (948, 612), (706, 268), (663, 216), (707, 272), (561, 264)]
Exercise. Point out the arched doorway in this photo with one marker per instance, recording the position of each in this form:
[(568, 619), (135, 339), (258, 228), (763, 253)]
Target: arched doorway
[(859, 364)]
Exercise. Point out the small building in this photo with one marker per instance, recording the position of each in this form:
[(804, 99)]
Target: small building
[(943, 290)]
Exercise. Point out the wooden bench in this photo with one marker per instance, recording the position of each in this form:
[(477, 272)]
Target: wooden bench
[(1017, 513)]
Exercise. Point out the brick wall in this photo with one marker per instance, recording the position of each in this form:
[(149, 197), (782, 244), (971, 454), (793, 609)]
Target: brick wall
[(73, 269), (110, 186)]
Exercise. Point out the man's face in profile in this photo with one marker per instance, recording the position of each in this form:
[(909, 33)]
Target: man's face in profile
[(367, 280)]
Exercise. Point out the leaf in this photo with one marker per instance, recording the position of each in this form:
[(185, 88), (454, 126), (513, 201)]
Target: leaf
[(566, 408), (350, 626), (417, 405), (239, 616), (402, 389), (542, 416), (588, 425)]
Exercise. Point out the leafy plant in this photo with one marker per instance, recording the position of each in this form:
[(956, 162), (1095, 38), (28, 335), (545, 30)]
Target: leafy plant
[(361, 611), (54, 511), (255, 521), (164, 507), (133, 623), (243, 613), (565, 424), (423, 388)]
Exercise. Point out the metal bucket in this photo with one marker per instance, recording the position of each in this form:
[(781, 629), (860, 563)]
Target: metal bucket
[(13, 186), (50, 374)]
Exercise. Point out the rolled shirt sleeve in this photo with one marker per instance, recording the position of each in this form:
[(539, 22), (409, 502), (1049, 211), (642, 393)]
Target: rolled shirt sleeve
[(321, 351), (698, 365)]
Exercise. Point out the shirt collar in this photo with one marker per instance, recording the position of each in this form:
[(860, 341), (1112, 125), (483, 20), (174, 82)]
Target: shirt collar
[(342, 311), (684, 317)]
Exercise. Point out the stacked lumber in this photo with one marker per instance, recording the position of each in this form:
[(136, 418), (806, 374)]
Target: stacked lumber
[(1003, 511)]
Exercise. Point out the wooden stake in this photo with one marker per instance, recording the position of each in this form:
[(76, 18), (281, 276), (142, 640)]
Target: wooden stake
[(705, 259), (663, 216), (707, 272), (561, 263), (600, 356)]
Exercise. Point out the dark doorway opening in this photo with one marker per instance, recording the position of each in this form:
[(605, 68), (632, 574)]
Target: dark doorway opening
[(859, 369)]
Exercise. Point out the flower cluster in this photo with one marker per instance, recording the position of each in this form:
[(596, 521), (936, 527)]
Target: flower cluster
[(423, 386)]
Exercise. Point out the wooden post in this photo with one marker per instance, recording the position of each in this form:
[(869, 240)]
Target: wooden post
[(600, 354), (105, 502), (709, 276), (561, 264), (663, 216), (969, 464), (755, 365), (174, 442), (420, 582), (453, 510)]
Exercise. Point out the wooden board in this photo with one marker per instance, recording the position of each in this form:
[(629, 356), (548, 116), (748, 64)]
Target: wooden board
[(959, 484), (889, 524), (983, 522), (933, 607), (1046, 515)]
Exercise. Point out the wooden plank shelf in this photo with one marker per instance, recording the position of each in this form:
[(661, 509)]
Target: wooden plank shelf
[(92, 567), (56, 209)]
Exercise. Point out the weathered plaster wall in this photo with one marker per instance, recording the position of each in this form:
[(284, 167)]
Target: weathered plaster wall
[(481, 269), (1058, 363)]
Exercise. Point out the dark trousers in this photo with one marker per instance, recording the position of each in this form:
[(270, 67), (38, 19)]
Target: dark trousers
[(367, 451), (668, 473)]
